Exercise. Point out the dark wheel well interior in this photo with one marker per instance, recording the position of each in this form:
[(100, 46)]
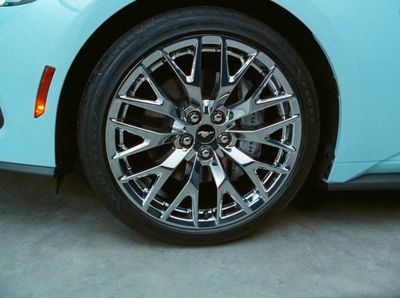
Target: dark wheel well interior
[(273, 15)]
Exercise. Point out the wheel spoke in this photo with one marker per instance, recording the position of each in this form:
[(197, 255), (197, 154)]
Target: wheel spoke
[(263, 135), (151, 139), (254, 103), (191, 189), (162, 173), (247, 163), (224, 186), (251, 166), (280, 145), (162, 105), (192, 82), (228, 82)]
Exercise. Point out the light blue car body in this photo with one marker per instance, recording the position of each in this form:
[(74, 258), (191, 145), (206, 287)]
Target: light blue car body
[(361, 39)]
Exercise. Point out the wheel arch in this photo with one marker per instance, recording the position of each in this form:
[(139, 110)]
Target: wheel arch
[(270, 13)]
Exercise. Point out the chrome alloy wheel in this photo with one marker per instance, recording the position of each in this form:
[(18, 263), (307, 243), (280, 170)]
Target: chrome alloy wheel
[(203, 132)]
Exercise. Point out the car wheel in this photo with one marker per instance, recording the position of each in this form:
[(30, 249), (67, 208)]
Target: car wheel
[(198, 125)]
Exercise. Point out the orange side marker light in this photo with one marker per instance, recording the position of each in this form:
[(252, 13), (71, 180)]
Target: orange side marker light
[(40, 105)]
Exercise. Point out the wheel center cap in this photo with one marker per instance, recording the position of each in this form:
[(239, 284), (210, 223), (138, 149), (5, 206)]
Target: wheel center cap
[(205, 134)]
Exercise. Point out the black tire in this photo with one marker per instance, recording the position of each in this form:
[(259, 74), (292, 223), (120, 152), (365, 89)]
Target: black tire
[(132, 46)]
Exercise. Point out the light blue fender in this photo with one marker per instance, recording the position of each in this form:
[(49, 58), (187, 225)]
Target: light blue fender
[(360, 38), (45, 32)]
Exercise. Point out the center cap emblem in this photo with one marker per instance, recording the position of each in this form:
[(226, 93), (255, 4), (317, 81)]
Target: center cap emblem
[(206, 134)]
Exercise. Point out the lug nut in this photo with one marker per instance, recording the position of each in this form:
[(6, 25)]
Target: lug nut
[(186, 140), (218, 117), (224, 139), (205, 153), (194, 118)]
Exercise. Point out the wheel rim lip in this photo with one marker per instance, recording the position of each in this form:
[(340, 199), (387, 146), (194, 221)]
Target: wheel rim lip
[(295, 106)]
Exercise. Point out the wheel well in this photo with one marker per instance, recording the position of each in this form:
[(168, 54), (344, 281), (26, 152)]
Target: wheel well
[(275, 16)]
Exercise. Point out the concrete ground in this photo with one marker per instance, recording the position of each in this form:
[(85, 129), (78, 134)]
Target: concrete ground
[(70, 246)]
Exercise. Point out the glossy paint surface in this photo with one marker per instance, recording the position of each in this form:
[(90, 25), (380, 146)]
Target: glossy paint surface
[(362, 41), (360, 38)]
